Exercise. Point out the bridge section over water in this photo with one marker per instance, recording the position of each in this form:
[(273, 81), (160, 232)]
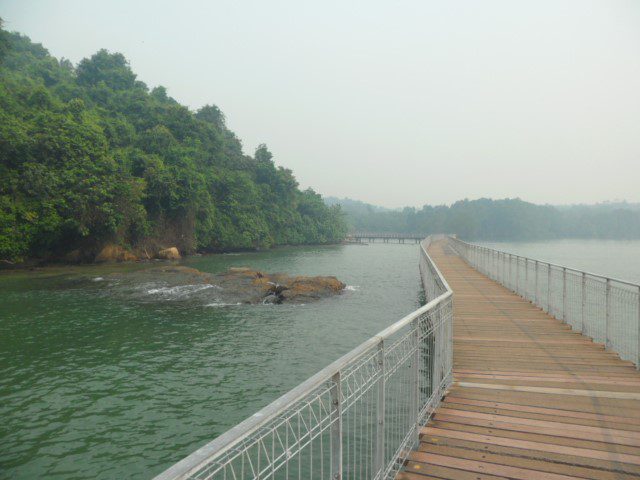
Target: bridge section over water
[(503, 385), (385, 237), (530, 398)]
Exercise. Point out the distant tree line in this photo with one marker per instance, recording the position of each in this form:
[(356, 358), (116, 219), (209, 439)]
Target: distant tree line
[(90, 155), (508, 219)]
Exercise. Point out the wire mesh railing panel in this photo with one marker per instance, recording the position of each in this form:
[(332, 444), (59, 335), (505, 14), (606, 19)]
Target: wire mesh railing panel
[(556, 292), (531, 280), (595, 311), (573, 300), (358, 418), (605, 309), (543, 286), (624, 303)]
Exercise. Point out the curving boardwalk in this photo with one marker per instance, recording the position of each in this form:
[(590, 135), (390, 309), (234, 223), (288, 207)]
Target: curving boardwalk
[(531, 399)]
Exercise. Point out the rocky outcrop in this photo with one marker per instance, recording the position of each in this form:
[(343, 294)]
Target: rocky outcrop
[(169, 254), (260, 287), (114, 253), (279, 287), (242, 285)]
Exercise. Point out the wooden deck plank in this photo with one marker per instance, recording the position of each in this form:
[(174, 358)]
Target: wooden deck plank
[(531, 399)]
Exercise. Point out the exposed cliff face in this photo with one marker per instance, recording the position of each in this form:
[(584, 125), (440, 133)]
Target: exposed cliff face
[(114, 253)]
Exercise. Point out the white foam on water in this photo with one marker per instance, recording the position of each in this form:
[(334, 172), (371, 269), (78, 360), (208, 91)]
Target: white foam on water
[(178, 291), (97, 279), (222, 304), (352, 288)]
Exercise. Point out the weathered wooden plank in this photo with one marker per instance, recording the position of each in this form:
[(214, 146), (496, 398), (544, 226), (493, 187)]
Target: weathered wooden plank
[(486, 467)]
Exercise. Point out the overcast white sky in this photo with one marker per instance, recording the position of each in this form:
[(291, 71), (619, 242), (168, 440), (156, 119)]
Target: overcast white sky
[(392, 102)]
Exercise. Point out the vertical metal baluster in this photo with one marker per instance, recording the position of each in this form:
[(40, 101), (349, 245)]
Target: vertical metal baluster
[(564, 294), (638, 330), (526, 279), (503, 269), (584, 303), (517, 274), (379, 460), (549, 289), (535, 295), (336, 427), (607, 315), (416, 381)]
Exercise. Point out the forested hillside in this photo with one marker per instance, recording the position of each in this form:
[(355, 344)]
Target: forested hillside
[(508, 219), (90, 156)]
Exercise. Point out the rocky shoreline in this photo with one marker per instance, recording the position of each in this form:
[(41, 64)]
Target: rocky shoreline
[(112, 253)]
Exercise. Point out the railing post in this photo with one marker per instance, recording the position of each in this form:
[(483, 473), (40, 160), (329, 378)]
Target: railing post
[(380, 426), (336, 427), (485, 262), (494, 274), (517, 274), (526, 279), (584, 301), (607, 324), (549, 288), (535, 297), (638, 330), (503, 264), (415, 374), (509, 272), (564, 294)]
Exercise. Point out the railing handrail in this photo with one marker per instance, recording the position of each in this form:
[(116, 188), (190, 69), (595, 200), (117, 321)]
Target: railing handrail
[(244, 429), (571, 269)]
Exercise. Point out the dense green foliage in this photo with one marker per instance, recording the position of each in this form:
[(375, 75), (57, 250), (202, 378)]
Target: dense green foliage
[(88, 156), (509, 219)]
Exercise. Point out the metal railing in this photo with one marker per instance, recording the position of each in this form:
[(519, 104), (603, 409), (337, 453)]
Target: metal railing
[(605, 309), (358, 418)]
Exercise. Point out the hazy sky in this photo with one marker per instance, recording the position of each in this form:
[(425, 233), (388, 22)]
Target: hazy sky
[(393, 102)]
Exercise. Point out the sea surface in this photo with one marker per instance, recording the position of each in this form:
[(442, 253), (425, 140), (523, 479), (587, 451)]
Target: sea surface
[(618, 259), (104, 377)]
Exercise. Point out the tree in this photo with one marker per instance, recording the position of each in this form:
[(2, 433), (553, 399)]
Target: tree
[(89, 156)]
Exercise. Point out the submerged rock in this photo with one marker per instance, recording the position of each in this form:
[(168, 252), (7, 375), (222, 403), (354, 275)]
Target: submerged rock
[(282, 287), (236, 285)]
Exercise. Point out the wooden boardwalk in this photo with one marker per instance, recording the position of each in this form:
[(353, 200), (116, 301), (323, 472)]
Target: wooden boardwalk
[(531, 399)]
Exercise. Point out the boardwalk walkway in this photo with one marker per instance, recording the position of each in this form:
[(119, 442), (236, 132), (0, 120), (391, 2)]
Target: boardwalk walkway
[(531, 399)]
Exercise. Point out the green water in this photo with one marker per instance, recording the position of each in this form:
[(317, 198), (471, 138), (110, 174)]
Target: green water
[(108, 379)]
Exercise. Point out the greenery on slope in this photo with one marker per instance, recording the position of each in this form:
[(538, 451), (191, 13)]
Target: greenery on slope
[(89, 156), (508, 219)]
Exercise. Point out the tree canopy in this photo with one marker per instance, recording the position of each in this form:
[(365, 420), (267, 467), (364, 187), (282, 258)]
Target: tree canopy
[(89, 155), (507, 219)]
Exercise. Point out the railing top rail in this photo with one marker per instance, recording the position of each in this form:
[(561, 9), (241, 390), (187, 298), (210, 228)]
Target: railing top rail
[(590, 274), (244, 429)]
